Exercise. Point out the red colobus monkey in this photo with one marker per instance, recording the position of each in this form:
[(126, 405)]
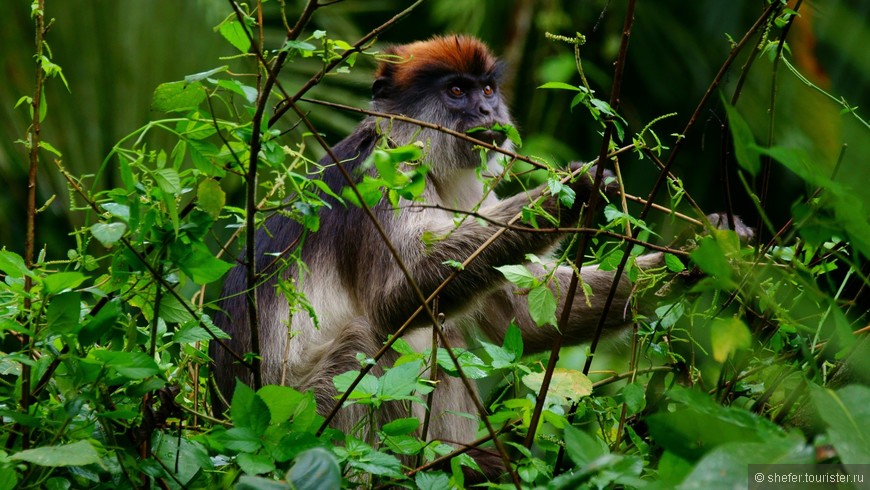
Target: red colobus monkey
[(360, 295)]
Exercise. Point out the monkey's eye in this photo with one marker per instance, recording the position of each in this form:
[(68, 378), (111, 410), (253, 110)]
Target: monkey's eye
[(456, 91), (488, 90)]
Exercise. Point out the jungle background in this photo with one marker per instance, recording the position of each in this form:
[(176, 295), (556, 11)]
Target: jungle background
[(114, 54)]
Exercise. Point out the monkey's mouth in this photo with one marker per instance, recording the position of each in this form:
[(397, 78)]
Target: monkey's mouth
[(488, 135)]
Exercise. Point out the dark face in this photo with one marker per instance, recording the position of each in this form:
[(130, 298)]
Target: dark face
[(459, 101), (472, 102)]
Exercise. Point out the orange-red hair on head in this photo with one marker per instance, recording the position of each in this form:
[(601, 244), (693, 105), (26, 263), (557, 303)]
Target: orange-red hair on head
[(448, 54)]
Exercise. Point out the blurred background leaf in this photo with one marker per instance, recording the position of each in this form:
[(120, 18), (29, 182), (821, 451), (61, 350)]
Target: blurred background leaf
[(114, 53)]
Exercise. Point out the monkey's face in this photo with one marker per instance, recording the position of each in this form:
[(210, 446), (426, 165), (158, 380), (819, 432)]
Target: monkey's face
[(457, 101)]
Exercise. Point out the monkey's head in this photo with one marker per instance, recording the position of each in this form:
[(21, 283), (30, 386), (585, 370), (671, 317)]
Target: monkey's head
[(452, 81)]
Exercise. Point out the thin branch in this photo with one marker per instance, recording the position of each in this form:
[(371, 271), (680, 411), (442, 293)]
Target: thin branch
[(564, 318), (30, 233), (358, 46), (558, 230)]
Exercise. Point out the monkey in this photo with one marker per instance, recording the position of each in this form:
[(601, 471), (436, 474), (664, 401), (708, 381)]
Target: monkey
[(353, 283)]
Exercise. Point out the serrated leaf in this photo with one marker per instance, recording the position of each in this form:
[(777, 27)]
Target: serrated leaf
[(566, 385), (79, 453), (255, 464), (248, 410), (168, 180), (542, 305), (201, 265), (518, 275), (108, 234), (432, 480)]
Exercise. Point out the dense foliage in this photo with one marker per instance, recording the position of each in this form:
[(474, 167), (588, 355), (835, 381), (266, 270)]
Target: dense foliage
[(754, 353)]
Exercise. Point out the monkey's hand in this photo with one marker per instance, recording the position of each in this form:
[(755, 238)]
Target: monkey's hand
[(583, 184), (720, 222)]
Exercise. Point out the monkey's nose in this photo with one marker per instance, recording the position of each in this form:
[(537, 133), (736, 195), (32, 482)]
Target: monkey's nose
[(484, 110)]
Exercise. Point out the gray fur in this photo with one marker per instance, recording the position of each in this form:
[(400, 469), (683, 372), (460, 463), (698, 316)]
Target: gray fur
[(361, 296)]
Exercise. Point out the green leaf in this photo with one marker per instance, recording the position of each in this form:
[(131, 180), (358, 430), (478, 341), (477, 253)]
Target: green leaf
[(101, 323), (236, 34), (247, 482), (510, 132), (401, 427), (542, 305), (581, 447), (566, 386), (471, 365), (79, 453), (177, 96), (501, 358), (201, 265), (13, 265), (710, 258), (562, 86), (189, 457), (298, 45), (235, 86), (847, 415), (744, 143), (62, 281), (402, 381), (366, 388), (130, 365), (248, 410), (518, 275), (728, 335), (64, 313), (432, 480), (695, 424), (673, 263), (513, 341), (108, 234), (315, 469), (635, 398), (255, 464), (196, 77), (211, 197), (240, 439), (727, 466), (168, 180), (283, 401)]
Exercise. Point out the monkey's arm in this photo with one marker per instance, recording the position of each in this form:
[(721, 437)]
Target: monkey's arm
[(395, 301), (506, 305)]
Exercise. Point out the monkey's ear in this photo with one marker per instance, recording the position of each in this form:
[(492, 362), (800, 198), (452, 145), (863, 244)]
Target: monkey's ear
[(381, 88)]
